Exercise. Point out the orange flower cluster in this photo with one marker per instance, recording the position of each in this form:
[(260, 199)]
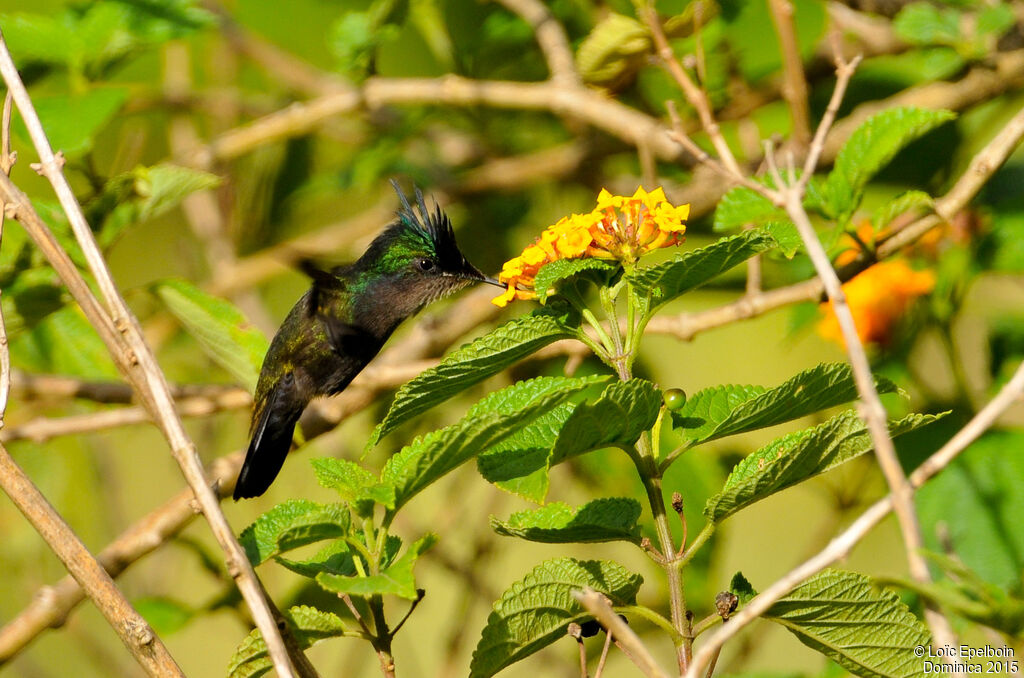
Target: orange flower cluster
[(618, 228), (878, 297)]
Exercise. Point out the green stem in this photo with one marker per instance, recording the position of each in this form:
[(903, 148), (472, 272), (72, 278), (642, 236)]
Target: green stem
[(705, 534), (653, 617), (592, 320)]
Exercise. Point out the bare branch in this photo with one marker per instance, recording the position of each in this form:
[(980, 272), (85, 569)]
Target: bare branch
[(135, 633), (794, 86)]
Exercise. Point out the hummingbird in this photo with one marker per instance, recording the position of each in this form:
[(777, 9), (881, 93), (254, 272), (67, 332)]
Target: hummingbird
[(342, 322)]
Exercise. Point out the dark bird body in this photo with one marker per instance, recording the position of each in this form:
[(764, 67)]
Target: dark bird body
[(341, 323)]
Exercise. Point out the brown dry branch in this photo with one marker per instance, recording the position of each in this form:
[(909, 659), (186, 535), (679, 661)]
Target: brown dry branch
[(841, 546), (123, 337), (213, 401), (27, 386), (147, 648)]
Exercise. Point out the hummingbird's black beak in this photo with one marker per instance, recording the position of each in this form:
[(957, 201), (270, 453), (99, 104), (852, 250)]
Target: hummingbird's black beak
[(473, 273)]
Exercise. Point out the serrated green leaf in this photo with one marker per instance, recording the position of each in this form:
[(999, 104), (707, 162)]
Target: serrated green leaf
[(910, 200), (294, 523), (309, 626), (221, 329), (476, 361), (798, 456), (338, 557), (72, 122), (356, 485), (705, 409), (536, 610), (553, 275), (722, 413), (164, 186), (921, 23), (741, 588), (396, 579), (741, 206), (867, 630), (869, 149), (165, 615), (490, 421), (666, 281), (519, 463), (617, 417), (612, 519)]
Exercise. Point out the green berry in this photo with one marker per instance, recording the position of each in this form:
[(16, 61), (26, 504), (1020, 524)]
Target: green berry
[(675, 398)]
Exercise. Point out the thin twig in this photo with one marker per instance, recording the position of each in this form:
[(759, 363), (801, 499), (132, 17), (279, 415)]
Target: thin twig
[(132, 354), (694, 94), (599, 671), (794, 86), (843, 543), (597, 605), (135, 633)]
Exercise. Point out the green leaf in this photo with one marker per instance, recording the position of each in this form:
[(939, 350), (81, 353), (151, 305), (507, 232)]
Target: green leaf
[(536, 610), (913, 67), (617, 417), (519, 463), (921, 23), (396, 580), (221, 329), (741, 206), (356, 485), (741, 588), (719, 411), (798, 456), (868, 631), (978, 498), (869, 149), (476, 361), (666, 281), (624, 410), (917, 201), (707, 408), (34, 37), (994, 20), (613, 519), (294, 523), (72, 122), (488, 422), (63, 342), (142, 194), (309, 626), (165, 615), (613, 51), (553, 275), (339, 557)]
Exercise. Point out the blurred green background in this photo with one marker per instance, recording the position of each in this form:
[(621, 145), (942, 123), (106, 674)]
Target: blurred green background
[(148, 81)]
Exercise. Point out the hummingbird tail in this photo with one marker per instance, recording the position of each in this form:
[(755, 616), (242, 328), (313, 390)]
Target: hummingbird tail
[(271, 440)]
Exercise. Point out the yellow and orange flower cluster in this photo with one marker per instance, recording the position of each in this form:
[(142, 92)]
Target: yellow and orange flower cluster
[(618, 228), (878, 298)]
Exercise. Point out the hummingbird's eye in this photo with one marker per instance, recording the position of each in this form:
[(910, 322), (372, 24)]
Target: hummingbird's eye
[(424, 264)]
